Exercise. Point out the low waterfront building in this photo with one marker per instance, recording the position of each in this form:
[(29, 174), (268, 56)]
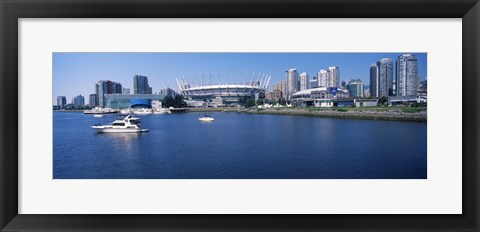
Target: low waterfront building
[(365, 102), (196, 103), (346, 102), (318, 97), (156, 104), (401, 100), (125, 101), (355, 102)]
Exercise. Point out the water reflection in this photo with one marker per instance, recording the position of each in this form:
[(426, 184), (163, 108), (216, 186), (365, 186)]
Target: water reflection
[(125, 137), (125, 141)]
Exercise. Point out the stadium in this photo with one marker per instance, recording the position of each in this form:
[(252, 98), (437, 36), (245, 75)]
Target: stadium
[(227, 94)]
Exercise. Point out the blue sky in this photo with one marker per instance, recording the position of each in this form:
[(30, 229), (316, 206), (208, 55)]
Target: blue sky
[(76, 73)]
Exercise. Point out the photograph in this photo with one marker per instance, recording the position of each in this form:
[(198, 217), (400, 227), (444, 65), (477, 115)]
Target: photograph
[(125, 115), (239, 115)]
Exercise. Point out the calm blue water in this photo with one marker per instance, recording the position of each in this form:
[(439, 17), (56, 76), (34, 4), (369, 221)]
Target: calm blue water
[(239, 146)]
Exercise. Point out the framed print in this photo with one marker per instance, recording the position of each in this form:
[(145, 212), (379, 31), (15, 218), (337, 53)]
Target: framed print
[(239, 115)]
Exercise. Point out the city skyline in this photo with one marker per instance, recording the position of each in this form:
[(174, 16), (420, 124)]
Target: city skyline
[(76, 73)]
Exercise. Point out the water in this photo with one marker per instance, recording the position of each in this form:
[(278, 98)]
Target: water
[(249, 146)]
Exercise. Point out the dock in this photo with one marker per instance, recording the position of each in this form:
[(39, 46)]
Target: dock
[(178, 110)]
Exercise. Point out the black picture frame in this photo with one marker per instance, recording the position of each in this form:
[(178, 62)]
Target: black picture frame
[(12, 10)]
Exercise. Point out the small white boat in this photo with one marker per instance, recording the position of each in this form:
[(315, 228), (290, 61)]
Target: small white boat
[(125, 111), (162, 111), (98, 115), (206, 118), (143, 111), (98, 110), (127, 124)]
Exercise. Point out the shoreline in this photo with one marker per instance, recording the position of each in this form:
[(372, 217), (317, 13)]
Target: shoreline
[(383, 114), (357, 113)]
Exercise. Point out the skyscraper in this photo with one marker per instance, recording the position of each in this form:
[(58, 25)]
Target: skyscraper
[(304, 81), (292, 84), (313, 83), (79, 100), (385, 77), (322, 78), (61, 100), (126, 91), (92, 100), (423, 85), (408, 80), (333, 79), (168, 92), (374, 81), (106, 87), (356, 89), (140, 85), (279, 90)]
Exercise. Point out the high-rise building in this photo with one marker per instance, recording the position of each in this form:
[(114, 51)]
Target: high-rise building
[(125, 90), (304, 81), (385, 77), (333, 79), (423, 85), (140, 85), (61, 100), (366, 92), (292, 85), (356, 89), (279, 90), (408, 80), (168, 92), (374, 81), (79, 100), (92, 100), (322, 78), (313, 83), (106, 87), (269, 95)]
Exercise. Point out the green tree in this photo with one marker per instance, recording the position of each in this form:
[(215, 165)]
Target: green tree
[(167, 101), (383, 100), (249, 103), (178, 102)]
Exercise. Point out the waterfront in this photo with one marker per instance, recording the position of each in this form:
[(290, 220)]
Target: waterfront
[(245, 146)]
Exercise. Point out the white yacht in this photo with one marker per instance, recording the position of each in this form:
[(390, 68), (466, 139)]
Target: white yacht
[(206, 118), (127, 124)]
